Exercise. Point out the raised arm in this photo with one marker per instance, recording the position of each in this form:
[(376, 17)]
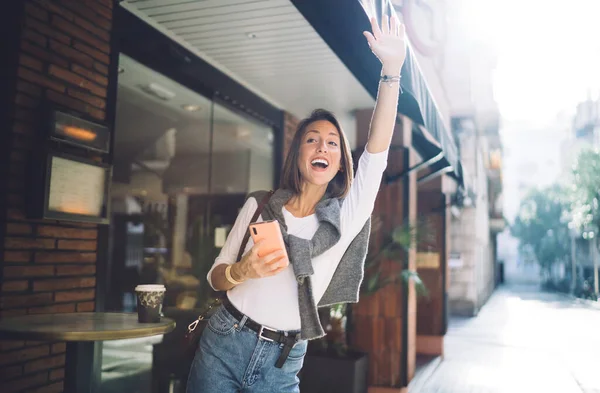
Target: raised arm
[(390, 48), (389, 45)]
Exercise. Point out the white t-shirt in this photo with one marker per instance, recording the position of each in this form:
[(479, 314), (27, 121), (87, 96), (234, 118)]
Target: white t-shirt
[(273, 301)]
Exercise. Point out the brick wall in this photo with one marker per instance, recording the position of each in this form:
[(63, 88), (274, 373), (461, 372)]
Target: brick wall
[(472, 283), (49, 266)]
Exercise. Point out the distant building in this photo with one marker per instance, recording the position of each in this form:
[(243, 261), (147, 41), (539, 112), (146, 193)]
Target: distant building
[(584, 133), (464, 65)]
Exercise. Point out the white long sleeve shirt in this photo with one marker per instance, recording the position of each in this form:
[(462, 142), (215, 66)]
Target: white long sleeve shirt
[(273, 301)]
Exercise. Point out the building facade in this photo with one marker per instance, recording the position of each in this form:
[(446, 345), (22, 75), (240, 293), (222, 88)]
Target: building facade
[(583, 133), (459, 68), (200, 101)]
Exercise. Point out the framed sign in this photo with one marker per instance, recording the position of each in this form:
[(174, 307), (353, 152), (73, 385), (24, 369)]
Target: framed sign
[(74, 189)]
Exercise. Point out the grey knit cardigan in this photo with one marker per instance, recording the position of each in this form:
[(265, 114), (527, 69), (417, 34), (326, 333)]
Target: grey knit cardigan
[(345, 285)]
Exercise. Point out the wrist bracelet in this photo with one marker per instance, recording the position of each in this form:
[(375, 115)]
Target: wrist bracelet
[(389, 79), (229, 277)]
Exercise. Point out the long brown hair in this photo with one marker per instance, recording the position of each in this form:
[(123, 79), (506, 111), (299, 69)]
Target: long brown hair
[(291, 178)]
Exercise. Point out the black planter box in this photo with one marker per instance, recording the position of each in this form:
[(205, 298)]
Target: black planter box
[(330, 374)]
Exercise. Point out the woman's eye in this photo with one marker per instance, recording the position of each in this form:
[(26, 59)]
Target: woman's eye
[(333, 143), (310, 140)]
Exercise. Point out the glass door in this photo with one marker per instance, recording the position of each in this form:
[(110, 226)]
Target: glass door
[(241, 161), (183, 166)]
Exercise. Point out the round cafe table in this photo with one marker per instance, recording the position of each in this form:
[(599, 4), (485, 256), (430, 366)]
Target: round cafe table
[(81, 331)]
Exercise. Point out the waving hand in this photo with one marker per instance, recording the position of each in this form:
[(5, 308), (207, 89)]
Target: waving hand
[(388, 42)]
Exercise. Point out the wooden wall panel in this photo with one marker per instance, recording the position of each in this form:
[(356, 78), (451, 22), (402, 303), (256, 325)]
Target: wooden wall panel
[(430, 310), (380, 318)]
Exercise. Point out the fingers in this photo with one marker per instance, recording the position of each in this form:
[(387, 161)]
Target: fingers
[(266, 265), (375, 27), (274, 256), (275, 272), (389, 25), (385, 24), (256, 247), (370, 38), (271, 267), (278, 264), (275, 262), (276, 267)]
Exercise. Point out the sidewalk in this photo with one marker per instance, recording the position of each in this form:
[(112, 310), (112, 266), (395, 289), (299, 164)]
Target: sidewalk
[(523, 340)]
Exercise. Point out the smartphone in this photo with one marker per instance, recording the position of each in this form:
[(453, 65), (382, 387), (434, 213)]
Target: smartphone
[(270, 231)]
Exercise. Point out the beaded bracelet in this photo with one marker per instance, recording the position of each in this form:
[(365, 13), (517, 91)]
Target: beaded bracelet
[(389, 79)]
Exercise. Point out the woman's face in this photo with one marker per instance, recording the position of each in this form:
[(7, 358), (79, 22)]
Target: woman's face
[(320, 153)]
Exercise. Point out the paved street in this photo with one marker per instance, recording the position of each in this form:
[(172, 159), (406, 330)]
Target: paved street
[(523, 340)]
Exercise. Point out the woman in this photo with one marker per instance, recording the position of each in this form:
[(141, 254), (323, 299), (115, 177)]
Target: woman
[(256, 341)]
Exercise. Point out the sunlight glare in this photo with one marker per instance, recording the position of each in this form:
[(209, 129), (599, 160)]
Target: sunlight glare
[(548, 53)]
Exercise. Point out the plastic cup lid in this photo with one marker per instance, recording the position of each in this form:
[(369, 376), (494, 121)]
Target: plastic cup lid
[(151, 287)]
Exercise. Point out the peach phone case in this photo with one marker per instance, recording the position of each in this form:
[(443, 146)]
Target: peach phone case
[(271, 232)]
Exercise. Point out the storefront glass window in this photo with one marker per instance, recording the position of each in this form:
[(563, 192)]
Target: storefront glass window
[(183, 165)]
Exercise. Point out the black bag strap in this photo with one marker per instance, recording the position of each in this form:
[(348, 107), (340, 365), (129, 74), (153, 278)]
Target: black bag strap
[(192, 326), (257, 213)]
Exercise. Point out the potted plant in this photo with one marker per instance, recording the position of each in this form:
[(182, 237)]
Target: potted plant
[(331, 365)]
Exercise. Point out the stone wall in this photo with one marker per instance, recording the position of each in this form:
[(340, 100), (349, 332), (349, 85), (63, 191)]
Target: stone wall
[(472, 283)]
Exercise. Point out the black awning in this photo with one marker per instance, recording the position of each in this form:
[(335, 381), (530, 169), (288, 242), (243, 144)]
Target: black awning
[(340, 23), (426, 114)]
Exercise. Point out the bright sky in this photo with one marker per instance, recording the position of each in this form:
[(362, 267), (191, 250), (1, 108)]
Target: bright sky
[(548, 53)]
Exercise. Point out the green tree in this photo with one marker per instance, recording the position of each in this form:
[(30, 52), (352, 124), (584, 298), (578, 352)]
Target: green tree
[(585, 192), (585, 209), (541, 225)]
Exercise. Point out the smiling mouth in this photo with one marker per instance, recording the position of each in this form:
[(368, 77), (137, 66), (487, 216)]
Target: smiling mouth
[(319, 163)]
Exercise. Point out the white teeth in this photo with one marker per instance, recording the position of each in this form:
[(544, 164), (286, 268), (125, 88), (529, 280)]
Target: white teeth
[(319, 161)]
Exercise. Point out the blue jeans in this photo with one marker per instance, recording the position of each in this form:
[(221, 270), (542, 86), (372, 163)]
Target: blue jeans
[(231, 358)]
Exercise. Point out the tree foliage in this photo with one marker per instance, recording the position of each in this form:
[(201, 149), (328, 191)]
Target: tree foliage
[(585, 192), (547, 216), (542, 225)]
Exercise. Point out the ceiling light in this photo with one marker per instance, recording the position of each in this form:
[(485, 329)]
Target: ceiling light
[(157, 90), (191, 107), (242, 133), (251, 35), (121, 70)]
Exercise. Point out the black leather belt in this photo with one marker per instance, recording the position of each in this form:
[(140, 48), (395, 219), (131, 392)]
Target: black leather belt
[(288, 339)]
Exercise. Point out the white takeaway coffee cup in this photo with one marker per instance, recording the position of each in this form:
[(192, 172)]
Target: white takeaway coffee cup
[(149, 302)]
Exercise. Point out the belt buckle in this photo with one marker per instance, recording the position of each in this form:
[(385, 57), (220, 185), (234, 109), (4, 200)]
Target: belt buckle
[(262, 329)]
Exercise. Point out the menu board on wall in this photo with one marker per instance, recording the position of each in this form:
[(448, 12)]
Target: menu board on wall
[(76, 188)]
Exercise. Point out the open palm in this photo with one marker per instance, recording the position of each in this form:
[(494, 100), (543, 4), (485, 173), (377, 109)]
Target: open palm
[(388, 43)]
